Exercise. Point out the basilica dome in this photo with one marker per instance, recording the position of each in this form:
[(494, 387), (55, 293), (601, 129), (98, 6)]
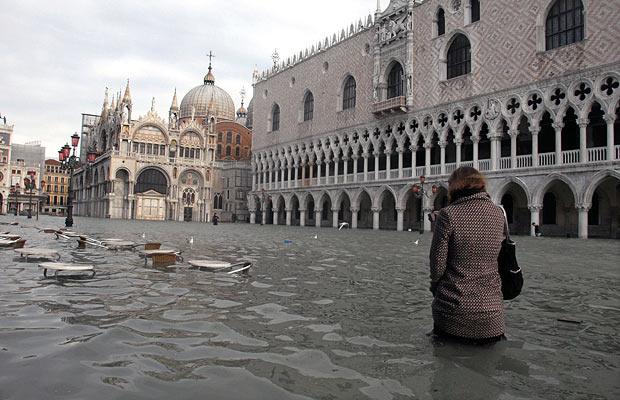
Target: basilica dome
[(208, 100)]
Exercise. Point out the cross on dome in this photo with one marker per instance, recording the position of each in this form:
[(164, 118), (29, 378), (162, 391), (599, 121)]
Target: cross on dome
[(210, 78)]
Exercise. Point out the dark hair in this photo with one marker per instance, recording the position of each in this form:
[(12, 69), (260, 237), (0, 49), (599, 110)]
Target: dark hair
[(465, 181)]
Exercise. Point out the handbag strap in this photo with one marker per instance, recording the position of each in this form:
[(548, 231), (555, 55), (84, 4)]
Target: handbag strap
[(506, 227)]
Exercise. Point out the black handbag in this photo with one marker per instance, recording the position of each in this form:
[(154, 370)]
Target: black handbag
[(509, 270)]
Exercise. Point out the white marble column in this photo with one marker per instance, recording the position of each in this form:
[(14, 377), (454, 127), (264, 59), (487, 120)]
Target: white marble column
[(354, 214), (366, 155), (583, 140), (458, 144), (475, 140), (400, 163), (428, 147), (276, 216), (345, 178), (302, 217), (558, 143), (336, 169), (375, 218), (414, 159), (583, 221), (303, 174), (495, 152), (355, 160), (535, 219), (400, 219), (377, 165), (514, 134), (388, 164), (318, 217), (535, 156), (289, 217), (335, 212), (253, 217), (289, 177), (442, 156), (319, 171), (611, 145)]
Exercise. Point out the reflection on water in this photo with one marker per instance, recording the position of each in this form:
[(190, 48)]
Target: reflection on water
[(345, 315)]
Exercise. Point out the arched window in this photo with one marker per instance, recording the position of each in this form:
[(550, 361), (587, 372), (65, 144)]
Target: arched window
[(228, 137), (152, 179), (218, 152), (564, 23), (309, 107), (441, 22), (459, 57), (238, 152), (396, 82), (228, 151), (475, 10), (349, 97), (238, 139), (275, 118)]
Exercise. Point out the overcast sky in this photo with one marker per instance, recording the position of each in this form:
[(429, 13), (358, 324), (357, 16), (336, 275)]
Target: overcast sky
[(58, 56)]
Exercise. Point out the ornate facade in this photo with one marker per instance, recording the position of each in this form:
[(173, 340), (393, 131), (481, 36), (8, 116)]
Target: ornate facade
[(156, 169), (344, 130)]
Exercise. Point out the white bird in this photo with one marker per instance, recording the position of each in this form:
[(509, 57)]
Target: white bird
[(143, 235), (343, 225), (191, 240), (316, 236), (409, 230), (417, 242)]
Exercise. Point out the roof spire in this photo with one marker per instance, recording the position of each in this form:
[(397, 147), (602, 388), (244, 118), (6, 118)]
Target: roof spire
[(175, 103), (378, 6), (153, 105), (242, 93), (127, 96), (210, 78)]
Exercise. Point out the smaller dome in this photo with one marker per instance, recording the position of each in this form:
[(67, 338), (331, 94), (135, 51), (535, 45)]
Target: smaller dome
[(242, 110)]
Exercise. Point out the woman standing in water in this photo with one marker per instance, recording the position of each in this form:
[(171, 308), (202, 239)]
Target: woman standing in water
[(468, 303)]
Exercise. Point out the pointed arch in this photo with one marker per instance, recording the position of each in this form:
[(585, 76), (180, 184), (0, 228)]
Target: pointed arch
[(537, 198)]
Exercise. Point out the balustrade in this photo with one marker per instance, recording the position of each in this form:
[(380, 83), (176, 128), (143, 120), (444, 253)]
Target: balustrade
[(570, 156), (505, 163), (597, 154), (524, 161), (382, 175), (546, 159), (450, 168), (435, 170), (617, 152), (420, 171), (484, 165)]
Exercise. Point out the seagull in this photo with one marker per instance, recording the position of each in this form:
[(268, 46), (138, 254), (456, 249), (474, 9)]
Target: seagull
[(316, 236), (343, 225), (191, 240), (409, 230), (143, 235), (417, 242)]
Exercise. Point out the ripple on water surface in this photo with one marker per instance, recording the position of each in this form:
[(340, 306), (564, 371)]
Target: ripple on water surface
[(344, 316)]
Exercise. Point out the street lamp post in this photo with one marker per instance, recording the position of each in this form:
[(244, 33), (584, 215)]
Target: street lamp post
[(68, 162), (29, 184), (263, 198), (14, 193)]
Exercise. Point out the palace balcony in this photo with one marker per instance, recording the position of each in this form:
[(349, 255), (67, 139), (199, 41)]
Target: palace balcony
[(390, 106)]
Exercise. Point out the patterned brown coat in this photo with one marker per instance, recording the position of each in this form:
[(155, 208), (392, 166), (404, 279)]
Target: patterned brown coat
[(464, 271)]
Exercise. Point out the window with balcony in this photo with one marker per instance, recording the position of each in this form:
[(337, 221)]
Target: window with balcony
[(459, 57), (396, 83)]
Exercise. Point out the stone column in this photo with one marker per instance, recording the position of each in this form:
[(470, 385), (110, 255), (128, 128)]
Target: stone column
[(345, 178), (414, 159), (336, 169), (514, 134), (442, 158), (458, 144), (535, 157), (312, 169), (583, 221), (354, 213), (400, 163), (335, 217), (264, 184), (318, 217), (276, 216), (583, 140), (535, 219), (296, 178), (355, 159), (475, 140), (254, 173), (289, 217), (377, 165), (428, 147), (495, 141), (282, 171), (289, 177), (558, 143), (264, 220), (375, 218), (611, 145), (388, 164), (302, 217), (253, 217), (400, 219), (303, 173), (366, 167), (318, 173)]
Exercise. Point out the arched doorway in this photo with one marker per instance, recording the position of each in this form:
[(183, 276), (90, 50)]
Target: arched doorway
[(364, 216), (151, 190), (311, 211), (268, 211), (326, 213), (514, 201), (295, 214), (604, 212), (280, 216), (121, 191), (387, 215), (344, 211), (559, 215)]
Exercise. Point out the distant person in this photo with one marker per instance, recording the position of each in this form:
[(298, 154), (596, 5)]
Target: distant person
[(468, 302), (216, 219), (537, 231)]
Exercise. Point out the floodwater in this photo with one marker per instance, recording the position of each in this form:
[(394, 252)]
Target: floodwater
[(345, 315)]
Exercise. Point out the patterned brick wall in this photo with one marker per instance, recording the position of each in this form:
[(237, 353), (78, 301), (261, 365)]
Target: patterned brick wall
[(505, 54)]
